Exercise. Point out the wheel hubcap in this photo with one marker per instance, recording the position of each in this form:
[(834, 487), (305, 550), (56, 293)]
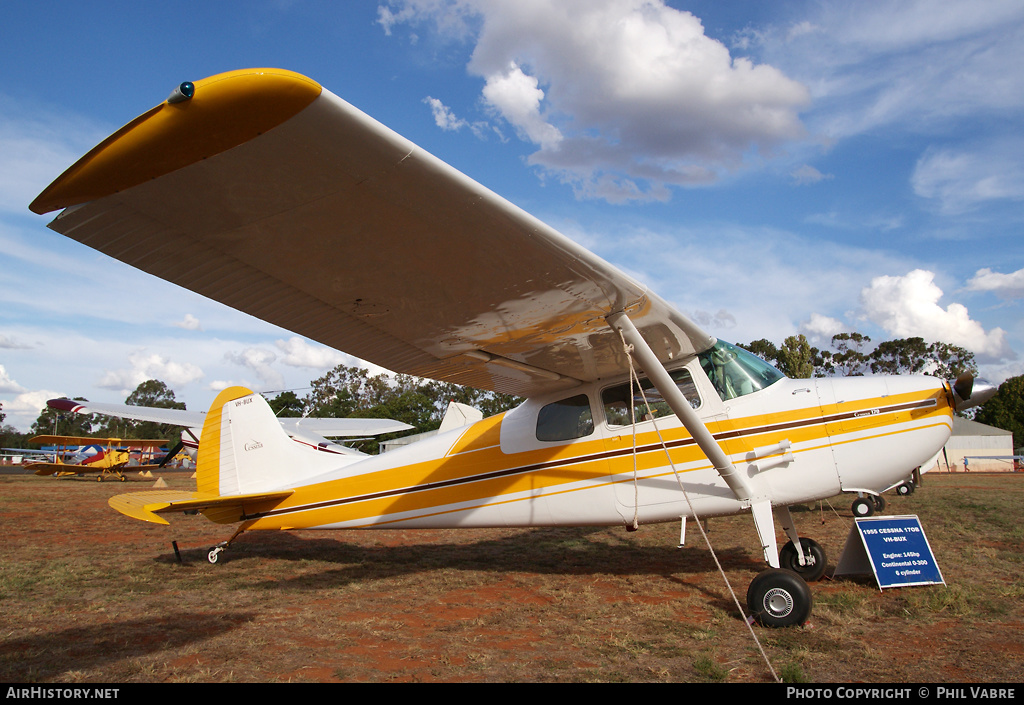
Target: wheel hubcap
[(778, 602)]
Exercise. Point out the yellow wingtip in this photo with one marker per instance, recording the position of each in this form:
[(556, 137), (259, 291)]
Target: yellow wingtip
[(228, 109)]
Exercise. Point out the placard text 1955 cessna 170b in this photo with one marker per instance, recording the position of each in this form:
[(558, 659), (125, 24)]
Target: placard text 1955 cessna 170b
[(264, 191)]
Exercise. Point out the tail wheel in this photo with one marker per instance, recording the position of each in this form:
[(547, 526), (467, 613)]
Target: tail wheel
[(779, 598), (814, 559)]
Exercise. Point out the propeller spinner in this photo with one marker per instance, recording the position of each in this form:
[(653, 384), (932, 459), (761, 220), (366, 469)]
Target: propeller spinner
[(970, 393)]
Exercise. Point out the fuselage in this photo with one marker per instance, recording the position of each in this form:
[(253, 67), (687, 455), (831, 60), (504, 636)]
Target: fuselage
[(581, 458)]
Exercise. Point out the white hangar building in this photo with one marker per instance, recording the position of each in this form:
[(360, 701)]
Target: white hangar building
[(975, 447)]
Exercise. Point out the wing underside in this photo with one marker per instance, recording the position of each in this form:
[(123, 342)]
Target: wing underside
[(334, 227)]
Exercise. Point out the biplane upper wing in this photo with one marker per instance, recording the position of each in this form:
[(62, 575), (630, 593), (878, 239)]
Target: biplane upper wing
[(326, 427), (270, 194)]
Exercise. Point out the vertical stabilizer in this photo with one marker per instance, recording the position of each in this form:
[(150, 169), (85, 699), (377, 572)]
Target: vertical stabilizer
[(244, 450)]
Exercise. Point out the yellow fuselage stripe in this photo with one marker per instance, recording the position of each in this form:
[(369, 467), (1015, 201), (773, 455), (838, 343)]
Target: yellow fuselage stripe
[(477, 472)]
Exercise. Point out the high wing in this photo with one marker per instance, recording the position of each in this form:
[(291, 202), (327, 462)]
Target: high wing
[(297, 208), (325, 427), (172, 417)]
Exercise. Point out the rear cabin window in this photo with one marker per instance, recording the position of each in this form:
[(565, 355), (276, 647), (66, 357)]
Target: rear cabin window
[(565, 420), (647, 405)]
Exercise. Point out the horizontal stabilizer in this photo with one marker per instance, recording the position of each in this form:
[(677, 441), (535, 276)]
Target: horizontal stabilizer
[(223, 510)]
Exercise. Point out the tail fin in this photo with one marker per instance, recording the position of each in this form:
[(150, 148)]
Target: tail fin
[(244, 450)]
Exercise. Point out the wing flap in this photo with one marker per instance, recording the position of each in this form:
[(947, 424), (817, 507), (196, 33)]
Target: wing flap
[(146, 506)]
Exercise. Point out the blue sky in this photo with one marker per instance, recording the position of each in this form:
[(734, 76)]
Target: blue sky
[(771, 168)]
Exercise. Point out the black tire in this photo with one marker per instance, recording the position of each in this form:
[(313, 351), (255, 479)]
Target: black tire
[(862, 507), (779, 598), (906, 489), (879, 502), (814, 554)]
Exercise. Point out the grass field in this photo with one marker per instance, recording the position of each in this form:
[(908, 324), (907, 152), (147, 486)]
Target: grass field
[(87, 595)]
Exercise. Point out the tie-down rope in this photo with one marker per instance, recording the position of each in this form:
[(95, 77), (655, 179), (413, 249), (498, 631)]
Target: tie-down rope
[(636, 493)]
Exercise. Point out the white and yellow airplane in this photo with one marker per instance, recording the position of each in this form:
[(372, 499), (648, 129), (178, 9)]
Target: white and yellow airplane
[(264, 179)]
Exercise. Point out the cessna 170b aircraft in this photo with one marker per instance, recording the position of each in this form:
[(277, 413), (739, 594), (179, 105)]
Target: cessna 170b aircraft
[(246, 186)]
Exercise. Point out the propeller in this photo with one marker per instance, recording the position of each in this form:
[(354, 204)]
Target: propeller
[(970, 393)]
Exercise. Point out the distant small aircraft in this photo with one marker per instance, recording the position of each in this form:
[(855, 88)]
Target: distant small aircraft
[(112, 456), (264, 191)]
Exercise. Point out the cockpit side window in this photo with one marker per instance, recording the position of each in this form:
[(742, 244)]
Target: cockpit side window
[(566, 419), (617, 399), (734, 372)]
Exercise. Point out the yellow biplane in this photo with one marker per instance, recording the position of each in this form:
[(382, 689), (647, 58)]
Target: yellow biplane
[(107, 456)]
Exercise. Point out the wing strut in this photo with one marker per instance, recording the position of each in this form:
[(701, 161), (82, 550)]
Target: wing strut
[(761, 508)]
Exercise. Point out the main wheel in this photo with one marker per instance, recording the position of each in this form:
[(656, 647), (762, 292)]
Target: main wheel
[(814, 559), (879, 502), (907, 488), (862, 507), (779, 598)]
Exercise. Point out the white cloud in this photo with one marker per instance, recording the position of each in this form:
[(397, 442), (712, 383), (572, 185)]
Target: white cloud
[(517, 97), (961, 180), (26, 407), (190, 322), (908, 306), (820, 329), (1006, 286), (807, 174), (8, 385), (146, 366), (299, 353), (915, 65), (10, 343), (622, 97), (260, 361), (443, 115)]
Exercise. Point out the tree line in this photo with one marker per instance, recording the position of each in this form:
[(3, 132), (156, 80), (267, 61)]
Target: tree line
[(851, 354), (342, 392)]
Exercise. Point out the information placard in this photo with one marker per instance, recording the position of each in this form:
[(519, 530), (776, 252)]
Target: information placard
[(894, 548)]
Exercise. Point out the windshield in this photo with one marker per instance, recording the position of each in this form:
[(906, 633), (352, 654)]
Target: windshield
[(735, 372)]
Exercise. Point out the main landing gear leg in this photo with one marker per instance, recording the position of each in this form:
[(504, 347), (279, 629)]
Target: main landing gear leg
[(213, 555), (779, 596)]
